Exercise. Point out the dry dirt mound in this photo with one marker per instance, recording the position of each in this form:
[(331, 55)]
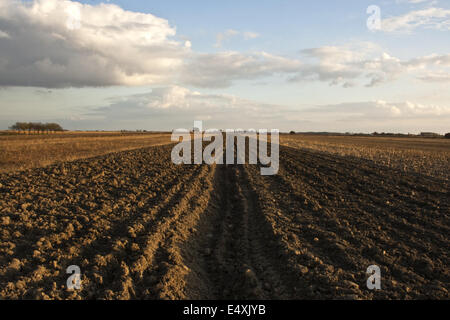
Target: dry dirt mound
[(140, 227)]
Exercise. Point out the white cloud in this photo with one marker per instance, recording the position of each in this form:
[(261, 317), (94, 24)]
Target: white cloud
[(438, 77), (365, 62), (332, 64), (176, 100), (178, 106), (222, 69), (369, 116), (51, 43), (430, 18), (230, 33), (63, 43), (250, 35), (222, 36), (378, 110), (171, 97)]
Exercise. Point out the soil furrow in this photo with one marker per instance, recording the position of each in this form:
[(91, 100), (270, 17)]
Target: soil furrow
[(140, 227)]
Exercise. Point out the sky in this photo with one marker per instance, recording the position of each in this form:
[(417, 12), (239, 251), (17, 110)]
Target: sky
[(345, 66)]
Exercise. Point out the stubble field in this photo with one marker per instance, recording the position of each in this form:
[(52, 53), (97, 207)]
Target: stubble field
[(140, 227)]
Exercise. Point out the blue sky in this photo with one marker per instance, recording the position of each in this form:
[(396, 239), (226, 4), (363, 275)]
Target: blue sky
[(287, 25), (291, 65)]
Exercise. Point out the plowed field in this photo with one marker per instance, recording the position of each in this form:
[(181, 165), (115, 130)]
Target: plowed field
[(140, 227)]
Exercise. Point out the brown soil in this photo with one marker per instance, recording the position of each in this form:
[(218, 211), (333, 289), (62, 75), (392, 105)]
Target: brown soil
[(23, 151), (140, 227)]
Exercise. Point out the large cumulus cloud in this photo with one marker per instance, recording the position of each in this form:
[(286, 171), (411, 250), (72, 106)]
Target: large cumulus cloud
[(62, 43)]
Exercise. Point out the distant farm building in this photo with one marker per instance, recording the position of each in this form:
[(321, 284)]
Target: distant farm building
[(429, 134)]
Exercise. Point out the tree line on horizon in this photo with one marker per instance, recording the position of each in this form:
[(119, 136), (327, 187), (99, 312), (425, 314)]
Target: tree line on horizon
[(36, 127)]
